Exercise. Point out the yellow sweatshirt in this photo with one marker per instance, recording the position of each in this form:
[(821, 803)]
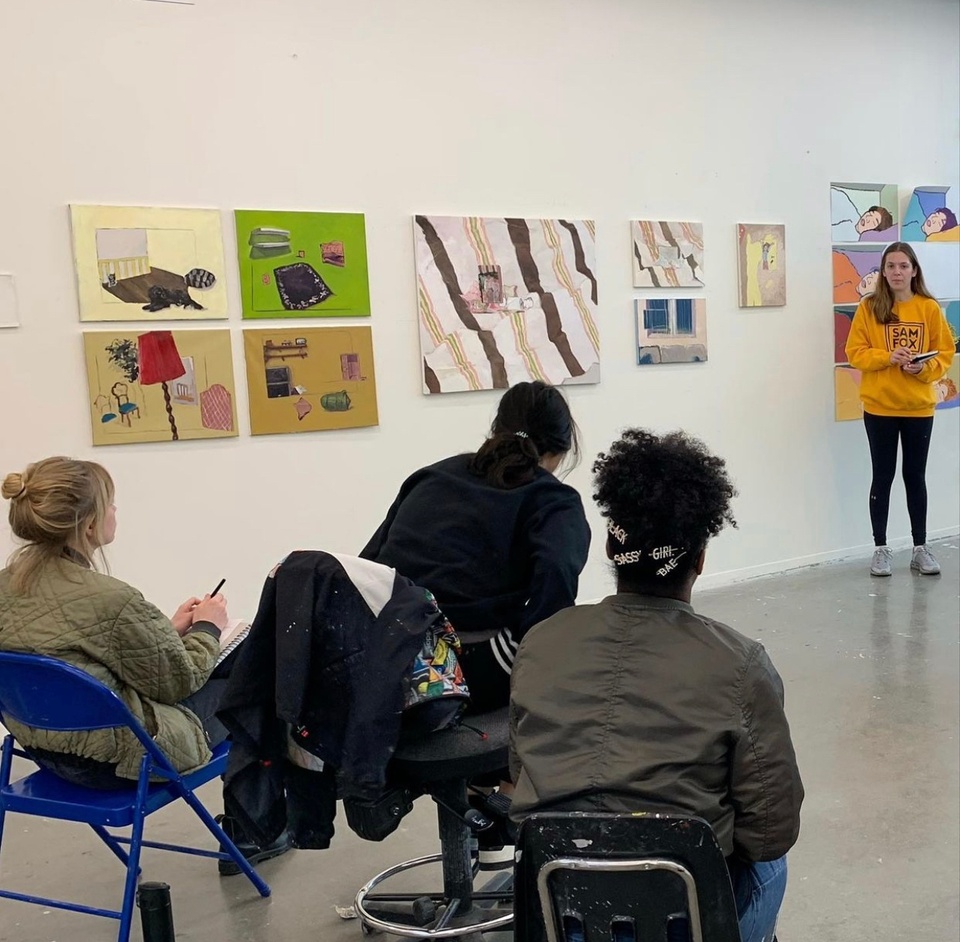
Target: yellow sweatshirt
[(886, 389)]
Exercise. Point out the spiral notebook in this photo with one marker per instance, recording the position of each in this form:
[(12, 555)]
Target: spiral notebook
[(232, 637)]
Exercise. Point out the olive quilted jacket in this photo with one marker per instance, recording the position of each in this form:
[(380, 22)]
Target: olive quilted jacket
[(108, 629)]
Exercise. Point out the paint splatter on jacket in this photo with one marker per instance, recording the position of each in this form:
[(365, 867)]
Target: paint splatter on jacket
[(330, 658)]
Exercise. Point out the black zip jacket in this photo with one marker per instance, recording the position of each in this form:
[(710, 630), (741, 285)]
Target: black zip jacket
[(328, 658)]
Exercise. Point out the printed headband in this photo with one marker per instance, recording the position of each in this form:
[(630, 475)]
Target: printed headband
[(665, 558)]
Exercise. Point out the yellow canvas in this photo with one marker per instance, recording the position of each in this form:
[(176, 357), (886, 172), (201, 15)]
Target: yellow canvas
[(847, 389), (160, 385), (761, 265), (309, 379), (148, 264)]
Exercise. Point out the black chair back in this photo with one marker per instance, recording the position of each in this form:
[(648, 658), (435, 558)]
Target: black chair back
[(622, 878)]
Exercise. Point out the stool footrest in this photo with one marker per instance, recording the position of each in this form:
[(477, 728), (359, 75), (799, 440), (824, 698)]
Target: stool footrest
[(406, 925)]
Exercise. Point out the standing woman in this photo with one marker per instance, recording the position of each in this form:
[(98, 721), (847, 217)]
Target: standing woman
[(899, 322), (494, 535)]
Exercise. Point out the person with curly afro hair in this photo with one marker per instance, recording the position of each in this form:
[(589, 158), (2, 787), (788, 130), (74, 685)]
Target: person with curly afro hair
[(667, 495), (639, 703)]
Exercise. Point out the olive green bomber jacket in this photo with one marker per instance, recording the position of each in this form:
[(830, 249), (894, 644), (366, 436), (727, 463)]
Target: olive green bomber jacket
[(107, 628), (640, 704)]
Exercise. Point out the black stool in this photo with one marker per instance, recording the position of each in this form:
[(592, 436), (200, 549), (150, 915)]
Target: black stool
[(440, 765)]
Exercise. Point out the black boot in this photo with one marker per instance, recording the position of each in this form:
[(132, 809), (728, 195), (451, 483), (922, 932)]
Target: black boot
[(253, 852)]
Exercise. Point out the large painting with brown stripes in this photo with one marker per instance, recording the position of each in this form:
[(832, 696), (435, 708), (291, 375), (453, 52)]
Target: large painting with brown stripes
[(501, 301)]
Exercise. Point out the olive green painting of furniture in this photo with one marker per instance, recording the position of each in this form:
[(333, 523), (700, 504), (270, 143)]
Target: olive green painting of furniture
[(160, 385), (302, 264), (310, 379)]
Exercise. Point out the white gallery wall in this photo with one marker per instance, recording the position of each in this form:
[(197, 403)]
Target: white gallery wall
[(741, 111)]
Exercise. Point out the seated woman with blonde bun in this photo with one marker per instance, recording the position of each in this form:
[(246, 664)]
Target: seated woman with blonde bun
[(54, 602)]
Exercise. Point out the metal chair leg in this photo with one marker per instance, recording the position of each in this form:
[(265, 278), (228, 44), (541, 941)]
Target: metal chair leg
[(6, 761), (133, 864), (245, 866), (112, 844)]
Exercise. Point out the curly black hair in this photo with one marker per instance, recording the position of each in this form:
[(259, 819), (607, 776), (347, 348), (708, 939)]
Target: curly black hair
[(661, 490)]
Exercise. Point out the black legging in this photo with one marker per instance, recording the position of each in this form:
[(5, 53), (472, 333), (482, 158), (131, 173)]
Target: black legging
[(486, 675), (484, 665), (883, 433)]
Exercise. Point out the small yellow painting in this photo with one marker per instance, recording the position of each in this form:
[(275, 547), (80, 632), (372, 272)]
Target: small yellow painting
[(310, 379), (149, 264), (160, 385), (761, 265)]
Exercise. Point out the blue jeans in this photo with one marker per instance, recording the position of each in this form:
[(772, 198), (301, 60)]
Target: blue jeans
[(758, 890)]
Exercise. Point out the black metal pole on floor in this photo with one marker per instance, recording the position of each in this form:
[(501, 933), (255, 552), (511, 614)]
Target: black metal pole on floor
[(156, 913)]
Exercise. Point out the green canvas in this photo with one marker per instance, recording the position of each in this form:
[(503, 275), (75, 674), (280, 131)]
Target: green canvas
[(297, 264)]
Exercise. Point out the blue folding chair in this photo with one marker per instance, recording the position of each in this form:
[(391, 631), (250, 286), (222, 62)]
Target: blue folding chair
[(45, 693)]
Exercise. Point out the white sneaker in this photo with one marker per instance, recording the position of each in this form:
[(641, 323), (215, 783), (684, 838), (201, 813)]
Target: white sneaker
[(500, 859), (923, 562), (882, 562)]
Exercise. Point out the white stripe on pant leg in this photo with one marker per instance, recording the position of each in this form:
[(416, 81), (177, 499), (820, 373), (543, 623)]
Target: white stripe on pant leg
[(505, 664), (503, 642)]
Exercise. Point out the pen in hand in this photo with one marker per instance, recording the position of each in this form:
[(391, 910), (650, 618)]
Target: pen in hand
[(211, 609)]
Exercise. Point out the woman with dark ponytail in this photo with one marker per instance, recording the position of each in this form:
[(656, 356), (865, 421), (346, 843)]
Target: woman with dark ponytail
[(494, 535)]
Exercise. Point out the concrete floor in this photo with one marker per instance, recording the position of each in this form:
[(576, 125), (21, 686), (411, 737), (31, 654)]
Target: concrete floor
[(872, 669)]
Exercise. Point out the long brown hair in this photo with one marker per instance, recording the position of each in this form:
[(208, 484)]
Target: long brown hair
[(52, 505), (882, 300)]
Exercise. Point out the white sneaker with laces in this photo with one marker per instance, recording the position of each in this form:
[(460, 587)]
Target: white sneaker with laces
[(882, 564), (923, 561)]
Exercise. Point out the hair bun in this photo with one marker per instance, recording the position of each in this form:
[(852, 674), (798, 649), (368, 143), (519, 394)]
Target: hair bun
[(13, 486)]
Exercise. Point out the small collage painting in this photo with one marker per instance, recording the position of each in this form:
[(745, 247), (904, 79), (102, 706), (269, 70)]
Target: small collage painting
[(148, 264), (298, 264), (309, 379), (160, 385)]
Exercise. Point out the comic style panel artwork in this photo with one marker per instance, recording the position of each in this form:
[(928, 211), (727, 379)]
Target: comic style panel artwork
[(864, 212)]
